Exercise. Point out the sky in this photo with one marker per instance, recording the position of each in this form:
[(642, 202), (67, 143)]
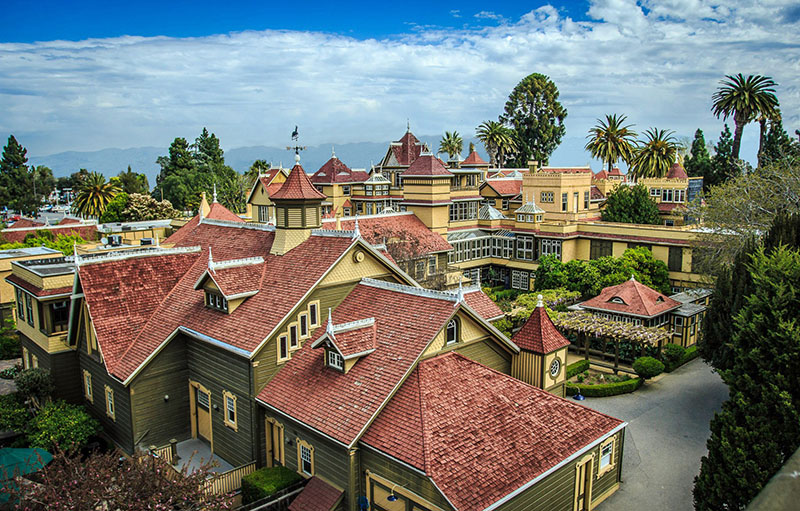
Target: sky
[(83, 76)]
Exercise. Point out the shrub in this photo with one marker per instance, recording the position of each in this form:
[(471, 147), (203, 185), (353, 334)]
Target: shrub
[(648, 367), (9, 342), (266, 481), (605, 389), (673, 355), (35, 384), (13, 414), (9, 373), (577, 367), (61, 424), (690, 354), (504, 325)]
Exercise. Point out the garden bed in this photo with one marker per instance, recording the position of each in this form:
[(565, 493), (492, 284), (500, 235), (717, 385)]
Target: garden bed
[(591, 383)]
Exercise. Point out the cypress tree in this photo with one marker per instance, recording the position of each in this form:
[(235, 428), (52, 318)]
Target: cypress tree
[(698, 163), (13, 172), (723, 164)]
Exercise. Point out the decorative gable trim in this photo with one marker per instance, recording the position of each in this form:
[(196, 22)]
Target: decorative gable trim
[(238, 225), (131, 254)]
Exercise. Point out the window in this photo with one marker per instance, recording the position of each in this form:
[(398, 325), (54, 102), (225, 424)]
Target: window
[(466, 210), (606, 457), (419, 269), (546, 197), (505, 204), (432, 265), (564, 198), (640, 245), (346, 190), (585, 200), (20, 305), (34, 361), (525, 248), (230, 409), (283, 347), (335, 360), (675, 260), (666, 195), (693, 328), (550, 247), (305, 458), (59, 312), (519, 280), (600, 248), (303, 325), (655, 192), (680, 195), (293, 339), (368, 190), (346, 211), (452, 331), (313, 312), (678, 325), (359, 208), (216, 301), (87, 386), (110, 403), (29, 309)]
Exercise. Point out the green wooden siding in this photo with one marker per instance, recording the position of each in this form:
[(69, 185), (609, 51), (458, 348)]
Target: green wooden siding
[(330, 459), (119, 429), (487, 353), (63, 368), (412, 481), (557, 491), (220, 370), (155, 420)]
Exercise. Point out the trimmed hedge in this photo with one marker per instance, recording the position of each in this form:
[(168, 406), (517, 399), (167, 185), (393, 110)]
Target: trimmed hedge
[(648, 367), (265, 481), (604, 389), (577, 368), (689, 354)]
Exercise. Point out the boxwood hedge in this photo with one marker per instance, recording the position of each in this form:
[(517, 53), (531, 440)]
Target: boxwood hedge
[(604, 389)]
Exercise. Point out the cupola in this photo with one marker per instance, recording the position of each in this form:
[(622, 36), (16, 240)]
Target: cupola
[(298, 210)]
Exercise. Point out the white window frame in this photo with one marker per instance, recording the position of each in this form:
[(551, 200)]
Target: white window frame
[(335, 360), (283, 347), (229, 400), (294, 336), (605, 461), (451, 332), (306, 456), (345, 189), (302, 319), (109, 398), (313, 314), (432, 265)]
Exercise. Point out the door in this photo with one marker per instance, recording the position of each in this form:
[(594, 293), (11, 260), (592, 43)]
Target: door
[(575, 200), (583, 485), (274, 444), (203, 400)]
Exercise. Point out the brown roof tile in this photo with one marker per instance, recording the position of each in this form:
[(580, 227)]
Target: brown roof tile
[(407, 149), (505, 186), (297, 186), (637, 299), (474, 159), (397, 226), (483, 305), (427, 165), (35, 290), (480, 434), (335, 171), (677, 172), (316, 496), (539, 334)]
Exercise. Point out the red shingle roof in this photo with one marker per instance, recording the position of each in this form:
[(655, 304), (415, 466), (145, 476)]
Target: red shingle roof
[(505, 186), (401, 226), (480, 434), (69, 221), (427, 165), (601, 175), (677, 172), (36, 291), (335, 171), (539, 334), (26, 222), (637, 299), (474, 159), (357, 340), (216, 212), (297, 186), (596, 193), (237, 280), (87, 232), (316, 496), (340, 405), (483, 305), (667, 207), (407, 149)]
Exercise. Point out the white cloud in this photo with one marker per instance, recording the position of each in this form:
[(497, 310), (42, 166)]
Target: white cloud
[(456, 13), (658, 63)]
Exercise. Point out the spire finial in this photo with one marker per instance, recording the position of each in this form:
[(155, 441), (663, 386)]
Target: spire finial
[(210, 259), (356, 231), (329, 327), (408, 125), (633, 277), (297, 158), (460, 294), (158, 244), (215, 192), (539, 301), (333, 152), (75, 254)]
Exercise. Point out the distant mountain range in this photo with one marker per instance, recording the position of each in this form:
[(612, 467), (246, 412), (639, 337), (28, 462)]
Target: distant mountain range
[(112, 161)]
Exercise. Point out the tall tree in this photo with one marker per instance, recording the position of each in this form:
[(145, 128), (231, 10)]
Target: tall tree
[(498, 141), (778, 146), (451, 143), (655, 155), (133, 182), (745, 99), (698, 162), (630, 204), (256, 169), (724, 165), (537, 117), (13, 168), (612, 140), (178, 181), (94, 196)]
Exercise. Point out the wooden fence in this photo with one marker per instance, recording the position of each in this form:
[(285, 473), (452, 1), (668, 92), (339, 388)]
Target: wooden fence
[(164, 453), (230, 481)]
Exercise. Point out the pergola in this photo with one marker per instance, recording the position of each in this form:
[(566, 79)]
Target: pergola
[(585, 325)]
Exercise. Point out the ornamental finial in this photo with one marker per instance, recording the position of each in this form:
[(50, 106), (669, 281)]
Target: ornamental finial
[(215, 192), (356, 231), (329, 328), (333, 152), (539, 301), (460, 294), (210, 259)]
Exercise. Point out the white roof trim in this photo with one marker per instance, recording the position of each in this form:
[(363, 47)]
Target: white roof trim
[(239, 225), (133, 254), (235, 263), (409, 290)]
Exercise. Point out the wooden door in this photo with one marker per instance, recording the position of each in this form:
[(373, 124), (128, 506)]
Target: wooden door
[(203, 403), (583, 486), (274, 444)]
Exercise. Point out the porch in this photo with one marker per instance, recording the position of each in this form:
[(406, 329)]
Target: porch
[(192, 453)]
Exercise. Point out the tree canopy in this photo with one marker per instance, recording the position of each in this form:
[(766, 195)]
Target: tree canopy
[(498, 140), (22, 188), (132, 182), (612, 140), (745, 99), (655, 155), (630, 204), (137, 207), (94, 195), (537, 118), (451, 143), (698, 162)]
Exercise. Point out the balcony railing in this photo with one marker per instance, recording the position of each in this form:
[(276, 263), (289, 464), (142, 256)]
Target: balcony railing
[(457, 188), (230, 481)]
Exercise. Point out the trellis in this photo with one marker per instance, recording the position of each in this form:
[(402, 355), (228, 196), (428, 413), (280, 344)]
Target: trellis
[(585, 325)]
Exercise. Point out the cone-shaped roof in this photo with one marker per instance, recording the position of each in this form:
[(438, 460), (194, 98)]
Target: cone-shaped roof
[(298, 186), (539, 334), (474, 159), (427, 165), (677, 172)]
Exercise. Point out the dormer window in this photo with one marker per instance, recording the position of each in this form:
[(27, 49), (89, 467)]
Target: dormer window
[(452, 331), (335, 360), (216, 301), (617, 299)]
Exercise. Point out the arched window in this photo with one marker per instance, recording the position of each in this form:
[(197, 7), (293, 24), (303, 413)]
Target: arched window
[(452, 331)]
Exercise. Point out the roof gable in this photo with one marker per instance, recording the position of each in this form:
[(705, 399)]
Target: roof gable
[(632, 297), (505, 186), (335, 171), (427, 165), (539, 334), (474, 159)]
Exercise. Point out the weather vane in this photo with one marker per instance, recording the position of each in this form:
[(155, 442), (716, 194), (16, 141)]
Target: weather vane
[(297, 147)]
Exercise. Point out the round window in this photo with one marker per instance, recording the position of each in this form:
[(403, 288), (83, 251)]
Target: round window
[(555, 368)]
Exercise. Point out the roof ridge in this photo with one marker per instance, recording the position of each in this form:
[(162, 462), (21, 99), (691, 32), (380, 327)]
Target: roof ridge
[(333, 233), (367, 217), (234, 263), (353, 325), (411, 290), (239, 225), (83, 260)]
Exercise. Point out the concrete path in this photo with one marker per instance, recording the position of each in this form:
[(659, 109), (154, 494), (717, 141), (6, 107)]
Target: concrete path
[(668, 425), (8, 386)]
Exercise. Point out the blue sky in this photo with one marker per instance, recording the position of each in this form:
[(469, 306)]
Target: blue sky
[(91, 75)]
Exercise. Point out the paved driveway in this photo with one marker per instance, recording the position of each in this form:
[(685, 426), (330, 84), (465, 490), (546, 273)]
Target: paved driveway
[(666, 437)]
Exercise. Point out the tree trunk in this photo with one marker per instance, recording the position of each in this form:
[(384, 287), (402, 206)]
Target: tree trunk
[(737, 135), (762, 136)]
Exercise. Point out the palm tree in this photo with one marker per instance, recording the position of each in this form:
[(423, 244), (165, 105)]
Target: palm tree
[(451, 144), (655, 156), (498, 141), (745, 99), (94, 195), (611, 140)]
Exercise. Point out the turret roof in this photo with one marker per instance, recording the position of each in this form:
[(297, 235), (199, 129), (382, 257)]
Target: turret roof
[(298, 186), (427, 165)]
